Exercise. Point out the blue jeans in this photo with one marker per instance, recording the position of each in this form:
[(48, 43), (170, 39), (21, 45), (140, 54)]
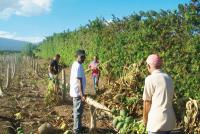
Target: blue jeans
[(160, 132), (77, 113), (95, 80)]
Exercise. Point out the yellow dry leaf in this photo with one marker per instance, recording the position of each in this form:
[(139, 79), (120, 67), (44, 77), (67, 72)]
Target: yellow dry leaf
[(63, 126), (18, 116)]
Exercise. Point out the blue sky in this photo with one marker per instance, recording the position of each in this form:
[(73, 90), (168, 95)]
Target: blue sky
[(32, 20)]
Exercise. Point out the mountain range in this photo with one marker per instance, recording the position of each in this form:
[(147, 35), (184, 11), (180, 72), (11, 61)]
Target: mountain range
[(11, 44)]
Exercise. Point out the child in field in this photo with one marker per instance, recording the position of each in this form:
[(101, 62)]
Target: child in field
[(94, 66)]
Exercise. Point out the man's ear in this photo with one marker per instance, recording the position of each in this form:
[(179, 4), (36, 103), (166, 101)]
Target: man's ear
[(148, 65)]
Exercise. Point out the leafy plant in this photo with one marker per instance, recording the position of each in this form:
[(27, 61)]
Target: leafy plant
[(125, 124), (174, 35)]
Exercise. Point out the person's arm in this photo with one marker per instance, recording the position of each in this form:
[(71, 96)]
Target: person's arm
[(147, 97), (50, 69), (99, 70), (146, 109), (89, 66), (80, 82), (59, 68)]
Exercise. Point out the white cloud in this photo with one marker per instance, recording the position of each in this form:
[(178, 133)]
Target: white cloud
[(24, 7), (6, 34), (108, 22), (33, 39)]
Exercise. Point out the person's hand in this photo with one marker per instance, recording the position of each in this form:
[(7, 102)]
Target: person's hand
[(83, 98), (145, 123)]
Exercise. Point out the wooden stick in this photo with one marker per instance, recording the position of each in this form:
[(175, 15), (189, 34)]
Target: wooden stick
[(36, 67), (1, 93), (86, 71), (8, 76), (33, 64), (1, 66), (100, 65), (13, 70), (97, 105), (63, 84), (92, 120)]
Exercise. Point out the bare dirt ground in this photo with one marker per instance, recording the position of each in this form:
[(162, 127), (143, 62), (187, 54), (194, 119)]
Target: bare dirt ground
[(25, 96)]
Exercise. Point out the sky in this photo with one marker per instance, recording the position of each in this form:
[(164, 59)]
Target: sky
[(33, 20)]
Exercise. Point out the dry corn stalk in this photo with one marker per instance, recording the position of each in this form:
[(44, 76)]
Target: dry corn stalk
[(13, 70), (129, 76), (64, 87), (36, 67), (1, 93), (191, 118), (8, 76)]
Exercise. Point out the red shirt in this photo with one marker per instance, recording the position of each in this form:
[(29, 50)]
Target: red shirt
[(94, 66)]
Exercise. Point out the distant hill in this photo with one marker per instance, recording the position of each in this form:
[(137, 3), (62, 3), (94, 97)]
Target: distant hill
[(11, 45)]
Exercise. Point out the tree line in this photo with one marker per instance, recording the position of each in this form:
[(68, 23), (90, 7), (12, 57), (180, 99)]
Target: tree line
[(173, 34)]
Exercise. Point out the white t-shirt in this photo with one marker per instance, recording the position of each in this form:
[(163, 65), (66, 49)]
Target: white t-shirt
[(159, 89), (77, 71)]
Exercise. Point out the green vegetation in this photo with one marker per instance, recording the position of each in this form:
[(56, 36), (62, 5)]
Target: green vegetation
[(6, 52), (172, 34), (127, 125), (28, 49)]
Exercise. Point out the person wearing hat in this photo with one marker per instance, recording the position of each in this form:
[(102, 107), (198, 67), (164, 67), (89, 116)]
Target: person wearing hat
[(77, 89), (158, 113)]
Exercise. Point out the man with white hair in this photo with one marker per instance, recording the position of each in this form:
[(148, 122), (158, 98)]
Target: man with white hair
[(158, 113)]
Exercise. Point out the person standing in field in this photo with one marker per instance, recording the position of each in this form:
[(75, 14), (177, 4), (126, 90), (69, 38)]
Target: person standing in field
[(54, 70), (94, 66), (77, 89), (158, 113), (51, 96)]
